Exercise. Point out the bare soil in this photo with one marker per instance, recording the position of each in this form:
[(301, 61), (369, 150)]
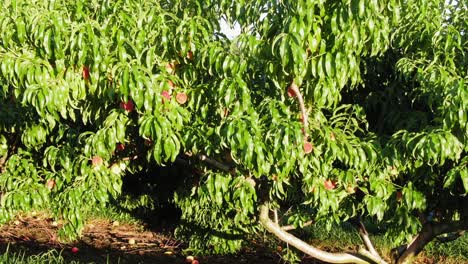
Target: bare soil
[(112, 242)]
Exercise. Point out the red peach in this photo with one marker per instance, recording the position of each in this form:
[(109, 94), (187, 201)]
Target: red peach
[(329, 185), (399, 195), (166, 95), (85, 73), (308, 147), (97, 161), (120, 147), (181, 98), (127, 106), (189, 55), (50, 184)]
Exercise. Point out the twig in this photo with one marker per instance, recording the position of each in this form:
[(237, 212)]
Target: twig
[(141, 250), (130, 158), (300, 99), (292, 227)]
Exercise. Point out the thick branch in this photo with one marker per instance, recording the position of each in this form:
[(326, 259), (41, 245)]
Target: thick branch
[(306, 248), (451, 237), (427, 234), (214, 163), (365, 238)]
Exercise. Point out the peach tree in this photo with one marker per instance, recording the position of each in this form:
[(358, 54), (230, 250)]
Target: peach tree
[(318, 111)]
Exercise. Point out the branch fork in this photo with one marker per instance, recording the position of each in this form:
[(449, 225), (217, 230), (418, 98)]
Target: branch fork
[(362, 257)]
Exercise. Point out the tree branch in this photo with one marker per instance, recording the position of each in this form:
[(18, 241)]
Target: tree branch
[(300, 99), (214, 163), (275, 229), (370, 247), (130, 158), (451, 237), (292, 227), (427, 234)]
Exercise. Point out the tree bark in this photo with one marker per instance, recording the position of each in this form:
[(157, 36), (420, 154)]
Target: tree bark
[(214, 163), (370, 247), (314, 252), (300, 99), (427, 234)]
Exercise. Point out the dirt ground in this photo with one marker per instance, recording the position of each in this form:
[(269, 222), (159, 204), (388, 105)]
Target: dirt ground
[(113, 242)]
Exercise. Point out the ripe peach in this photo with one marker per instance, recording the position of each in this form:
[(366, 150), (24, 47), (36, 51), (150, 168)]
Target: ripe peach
[(127, 106), (50, 184), (166, 95), (120, 147), (85, 73), (97, 161), (399, 195), (329, 185), (190, 55), (308, 147), (181, 98)]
